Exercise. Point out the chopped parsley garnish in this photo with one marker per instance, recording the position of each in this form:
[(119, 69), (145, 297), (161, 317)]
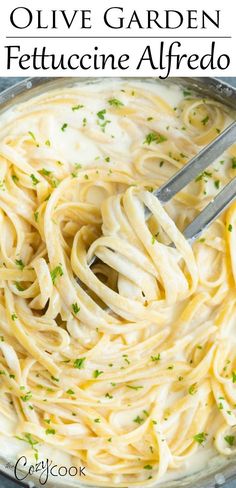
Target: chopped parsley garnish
[(50, 431), (204, 176), (33, 137), (193, 389), (19, 287), (36, 216), (108, 396), (154, 137), (84, 121), (153, 240), (205, 120), (47, 143), (134, 387), (217, 184), (56, 272), (200, 438), (86, 177), (15, 178), (229, 439), (97, 421), (107, 159), (230, 227), (156, 358), (114, 102), (138, 420), (75, 308), (55, 379), (63, 127), (70, 392), (147, 466), (187, 93), (97, 373), (31, 441), (234, 376), (45, 172), (77, 107), (79, 363), (233, 163), (19, 263), (26, 397), (149, 118), (101, 114), (35, 180), (14, 317)]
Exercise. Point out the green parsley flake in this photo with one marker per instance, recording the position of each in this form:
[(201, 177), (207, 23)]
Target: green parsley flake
[(47, 143), (205, 120), (31, 441), (45, 172), (230, 227), (114, 102), (35, 180), (77, 107), (154, 137), (147, 466), (79, 363), (36, 216), (101, 114), (56, 272), (15, 178), (55, 379), (156, 358), (134, 387), (14, 317), (108, 396), (50, 431), (70, 392), (193, 389), (26, 397), (204, 176), (97, 373), (138, 420), (229, 439), (75, 308), (187, 93), (234, 376), (31, 134), (20, 263), (200, 438), (97, 421), (217, 184), (63, 127), (233, 160)]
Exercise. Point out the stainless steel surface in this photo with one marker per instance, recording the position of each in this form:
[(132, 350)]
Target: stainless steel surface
[(196, 165), (211, 211), (208, 87)]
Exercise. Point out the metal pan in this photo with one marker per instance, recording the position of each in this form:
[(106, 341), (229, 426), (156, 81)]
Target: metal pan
[(206, 87)]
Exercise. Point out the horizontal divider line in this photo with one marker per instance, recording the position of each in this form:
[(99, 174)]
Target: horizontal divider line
[(118, 37)]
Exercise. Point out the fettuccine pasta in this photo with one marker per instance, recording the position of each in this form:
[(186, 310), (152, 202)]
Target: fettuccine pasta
[(127, 364)]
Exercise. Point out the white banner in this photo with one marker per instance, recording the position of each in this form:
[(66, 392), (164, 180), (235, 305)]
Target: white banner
[(106, 38)]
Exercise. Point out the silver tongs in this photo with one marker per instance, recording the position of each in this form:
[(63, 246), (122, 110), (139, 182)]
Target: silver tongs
[(189, 172)]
